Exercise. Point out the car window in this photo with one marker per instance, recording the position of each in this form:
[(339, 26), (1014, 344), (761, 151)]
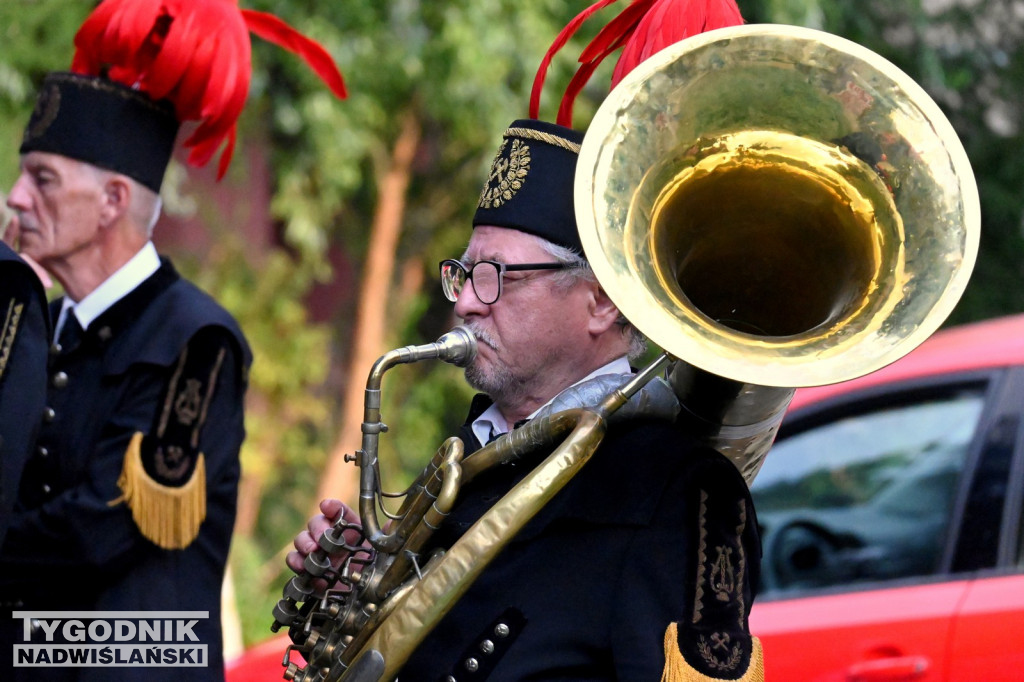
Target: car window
[(866, 495)]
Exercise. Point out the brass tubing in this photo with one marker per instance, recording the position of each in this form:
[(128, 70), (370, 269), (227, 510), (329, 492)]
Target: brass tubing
[(445, 583), (425, 490), (457, 347), (428, 521), (535, 434)]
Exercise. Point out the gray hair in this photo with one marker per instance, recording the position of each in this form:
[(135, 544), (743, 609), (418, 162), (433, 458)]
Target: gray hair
[(145, 208), (145, 204), (579, 270)]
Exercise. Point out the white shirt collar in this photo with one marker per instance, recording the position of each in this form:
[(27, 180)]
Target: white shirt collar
[(491, 422), (130, 275)]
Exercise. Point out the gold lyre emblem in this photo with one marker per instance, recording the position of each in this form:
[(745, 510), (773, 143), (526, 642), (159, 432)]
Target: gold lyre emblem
[(186, 406), (723, 574), (508, 175)]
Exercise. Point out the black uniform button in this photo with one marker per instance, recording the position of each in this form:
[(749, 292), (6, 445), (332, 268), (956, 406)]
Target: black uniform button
[(60, 380), (472, 665), (43, 452), (49, 414)]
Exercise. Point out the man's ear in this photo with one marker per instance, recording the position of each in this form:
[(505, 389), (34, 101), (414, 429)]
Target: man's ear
[(117, 197), (603, 312)]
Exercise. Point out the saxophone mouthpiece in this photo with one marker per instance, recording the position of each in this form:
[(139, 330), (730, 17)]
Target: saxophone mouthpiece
[(457, 347)]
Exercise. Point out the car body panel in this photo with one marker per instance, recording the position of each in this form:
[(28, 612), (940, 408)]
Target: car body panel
[(259, 663), (830, 638), (979, 345), (988, 632), (951, 625)]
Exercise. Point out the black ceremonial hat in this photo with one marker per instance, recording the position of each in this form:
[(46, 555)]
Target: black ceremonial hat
[(530, 185), (103, 123)]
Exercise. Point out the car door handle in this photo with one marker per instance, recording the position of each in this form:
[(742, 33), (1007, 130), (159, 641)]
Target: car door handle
[(888, 669)]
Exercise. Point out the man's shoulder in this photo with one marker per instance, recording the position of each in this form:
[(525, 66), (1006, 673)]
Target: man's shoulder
[(7, 254), (18, 275), (190, 305), (667, 453), (639, 465), (169, 322), (24, 324)]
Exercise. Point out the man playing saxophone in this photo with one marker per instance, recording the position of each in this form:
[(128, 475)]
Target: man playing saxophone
[(619, 567), (644, 565), (645, 557)]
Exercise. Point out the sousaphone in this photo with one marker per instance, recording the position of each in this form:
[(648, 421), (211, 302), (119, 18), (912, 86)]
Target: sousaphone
[(774, 207)]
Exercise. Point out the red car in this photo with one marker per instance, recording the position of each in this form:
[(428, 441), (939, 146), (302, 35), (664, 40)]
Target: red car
[(892, 515)]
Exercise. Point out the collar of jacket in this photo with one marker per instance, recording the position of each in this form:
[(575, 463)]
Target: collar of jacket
[(622, 484), (115, 319)]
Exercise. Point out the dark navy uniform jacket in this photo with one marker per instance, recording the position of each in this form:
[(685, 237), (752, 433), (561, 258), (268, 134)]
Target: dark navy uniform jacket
[(24, 340), (588, 587), (71, 545)]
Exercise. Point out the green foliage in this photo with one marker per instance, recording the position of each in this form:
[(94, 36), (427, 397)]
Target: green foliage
[(36, 38), (256, 587)]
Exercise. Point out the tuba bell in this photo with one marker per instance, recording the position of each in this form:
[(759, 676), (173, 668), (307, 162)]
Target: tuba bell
[(774, 207)]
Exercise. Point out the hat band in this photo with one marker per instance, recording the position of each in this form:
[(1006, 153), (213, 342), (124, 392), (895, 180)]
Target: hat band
[(541, 136)]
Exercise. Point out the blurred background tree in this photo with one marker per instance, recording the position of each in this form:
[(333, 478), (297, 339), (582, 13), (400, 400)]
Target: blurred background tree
[(325, 236)]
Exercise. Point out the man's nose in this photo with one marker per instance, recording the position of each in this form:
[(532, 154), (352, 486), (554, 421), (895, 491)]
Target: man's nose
[(18, 197), (469, 304)]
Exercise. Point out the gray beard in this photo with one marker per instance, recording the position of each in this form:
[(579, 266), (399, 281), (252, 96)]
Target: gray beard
[(499, 382), (501, 385)]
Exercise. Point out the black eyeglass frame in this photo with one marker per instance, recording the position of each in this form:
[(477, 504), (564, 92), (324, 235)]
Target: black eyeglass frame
[(502, 268)]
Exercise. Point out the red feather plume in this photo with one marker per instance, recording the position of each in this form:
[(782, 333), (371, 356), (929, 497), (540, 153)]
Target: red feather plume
[(195, 53), (643, 28)]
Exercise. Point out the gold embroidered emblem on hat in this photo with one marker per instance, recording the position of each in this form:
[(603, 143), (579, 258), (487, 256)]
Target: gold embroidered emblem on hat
[(45, 113), (508, 175)]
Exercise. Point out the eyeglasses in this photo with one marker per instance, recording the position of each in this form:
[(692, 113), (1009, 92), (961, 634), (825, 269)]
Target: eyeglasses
[(486, 276)]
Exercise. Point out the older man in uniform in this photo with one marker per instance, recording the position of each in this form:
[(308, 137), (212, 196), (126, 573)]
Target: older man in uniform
[(128, 503), (644, 566), (647, 561), (24, 340)]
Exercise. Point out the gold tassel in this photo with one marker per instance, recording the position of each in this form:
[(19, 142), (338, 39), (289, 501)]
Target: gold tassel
[(167, 516), (678, 670)]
